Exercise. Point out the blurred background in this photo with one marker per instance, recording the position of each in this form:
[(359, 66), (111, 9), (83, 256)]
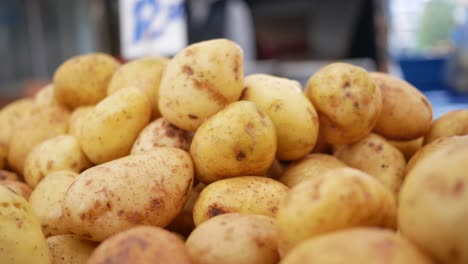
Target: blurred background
[(422, 41)]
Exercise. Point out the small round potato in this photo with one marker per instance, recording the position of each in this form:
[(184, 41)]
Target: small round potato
[(237, 141), (77, 117), (234, 238), (248, 195), (407, 147), (406, 112), (8, 175), (309, 167), (348, 102), (83, 80), (199, 81), (18, 187), (11, 116), (357, 246), (454, 123), (70, 249), (143, 244)]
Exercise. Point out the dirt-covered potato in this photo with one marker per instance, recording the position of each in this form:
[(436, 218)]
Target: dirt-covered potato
[(199, 81), (109, 130), (77, 117), (357, 246), (407, 147), (293, 115), (348, 102), (377, 157), (11, 116), (161, 133), (69, 249), (18, 187), (338, 199), (309, 167), (247, 194), (62, 152), (21, 238), (46, 201), (433, 210), (454, 123), (144, 244), (237, 141), (83, 80), (234, 238), (141, 189), (144, 74), (8, 175), (406, 112)]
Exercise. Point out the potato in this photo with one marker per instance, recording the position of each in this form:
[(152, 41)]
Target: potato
[(338, 199), (293, 115), (357, 246), (321, 146), (454, 123), (44, 123), (160, 133), (46, 97), (10, 116), (69, 249), (8, 175), (62, 152), (237, 141), (348, 102), (18, 187), (377, 157), (46, 201), (407, 147), (432, 204), (248, 195), (77, 118), (406, 112), (234, 238), (199, 81), (113, 125), (21, 238), (83, 80), (141, 189), (144, 74), (144, 244), (276, 170), (309, 167)]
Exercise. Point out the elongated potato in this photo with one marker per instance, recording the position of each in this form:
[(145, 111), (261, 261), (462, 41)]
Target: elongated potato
[(248, 195), (77, 117), (199, 81), (454, 123), (293, 115), (11, 116), (141, 189), (113, 125), (18, 187), (70, 249), (407, 147)]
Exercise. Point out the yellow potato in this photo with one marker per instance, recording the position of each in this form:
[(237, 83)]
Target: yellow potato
[(144, 244), (46, 97), (113, 125), (433, 210), (239, 140), (293, 115), (160, 133), (46, 201), (141, 189), (322, 146), (309, 167), (406, 112), (199, 81), (83, 80), (21, 238), (407, 147), (10, 116), (18, 187), (348, 102), (144, 74), (69, 249), (377, 157), (8, 175), (234, 238), (248, 195), (338, 199), (77, 118), (62, 152), (357, 246), (454, 123)]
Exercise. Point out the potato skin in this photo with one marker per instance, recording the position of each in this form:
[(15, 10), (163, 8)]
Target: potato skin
[(143, 244), (406, 112), (294, 117), (11, 116), (338, 199), (18, 187), (357, 246), (70, 249), (348, 102), (407, 147), (113, 125), (234, 238), (77, 117), (46, 97), (199, 81), (83, 80), (8, 175), (247, 194), (237, 141), (141, 189), (454, 123)]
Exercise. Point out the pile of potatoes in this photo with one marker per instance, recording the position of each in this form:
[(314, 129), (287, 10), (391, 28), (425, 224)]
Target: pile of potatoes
[(186, 160)]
